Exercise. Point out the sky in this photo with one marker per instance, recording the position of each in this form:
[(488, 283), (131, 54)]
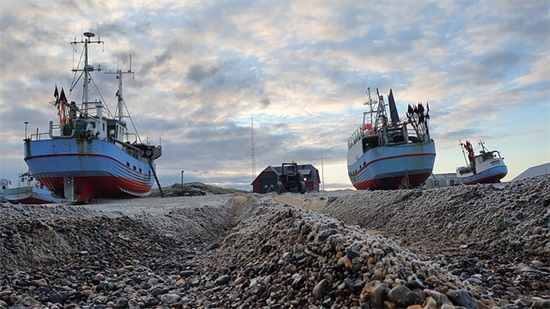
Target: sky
[(298, 70)]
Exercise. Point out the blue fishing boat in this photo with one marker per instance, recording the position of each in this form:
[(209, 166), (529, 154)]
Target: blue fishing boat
[(486, 167), (90, 153), (390, 153)]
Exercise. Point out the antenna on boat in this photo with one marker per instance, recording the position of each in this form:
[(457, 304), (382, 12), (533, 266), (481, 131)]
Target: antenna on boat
[(482, 144)]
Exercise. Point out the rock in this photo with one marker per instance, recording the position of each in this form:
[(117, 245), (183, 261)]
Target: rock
[(213, 246), (539, 303), (187, 273), (57, 298), (223, 279), (121, 303), (321, 289), (400, 295), (354, 285), (378, 295), (440, 298), (462, 298), (169, 299), (323, 235), (39, 282), (351, 254), (233, 295)]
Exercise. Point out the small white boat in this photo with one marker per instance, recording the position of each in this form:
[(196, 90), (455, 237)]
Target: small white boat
[(486, 167), (30, 191)]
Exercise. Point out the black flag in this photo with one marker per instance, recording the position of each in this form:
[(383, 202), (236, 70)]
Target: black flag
[(56, 96)]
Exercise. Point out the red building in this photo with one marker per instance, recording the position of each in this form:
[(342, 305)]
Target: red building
[(266, 181)]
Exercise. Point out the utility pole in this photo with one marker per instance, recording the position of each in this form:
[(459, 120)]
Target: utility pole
[(182, 182), (253, 149)]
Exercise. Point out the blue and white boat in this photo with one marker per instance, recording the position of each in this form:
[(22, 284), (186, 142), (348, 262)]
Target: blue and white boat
[(4, 184), (89, 153), (29, 191), (486, 167), (390, 154)]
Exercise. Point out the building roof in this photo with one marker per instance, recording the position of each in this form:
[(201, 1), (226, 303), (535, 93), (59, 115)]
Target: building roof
[(443, 176), (305, 170), (534, 171)]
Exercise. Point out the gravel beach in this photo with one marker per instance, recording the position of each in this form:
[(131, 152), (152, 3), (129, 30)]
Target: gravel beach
[(481, 246)]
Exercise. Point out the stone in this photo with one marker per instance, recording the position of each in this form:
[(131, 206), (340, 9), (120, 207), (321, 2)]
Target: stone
[(169, 299), (462, 298), (440, 298), (321, 289), (323, 235), (378, 295), (39, 282), (187, 273), (400, 295), (223, 279)]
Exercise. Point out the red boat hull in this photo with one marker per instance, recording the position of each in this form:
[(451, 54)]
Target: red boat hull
[(390, 183), (99, 186)]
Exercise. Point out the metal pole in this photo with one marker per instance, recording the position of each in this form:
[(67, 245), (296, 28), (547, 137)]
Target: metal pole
[(26, 123), (182, 182)]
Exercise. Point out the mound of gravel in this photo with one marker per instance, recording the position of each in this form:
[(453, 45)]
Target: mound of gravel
[(511, 221), (496, 236), (249, 251)]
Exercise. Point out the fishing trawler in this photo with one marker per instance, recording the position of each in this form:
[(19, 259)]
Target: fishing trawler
[(390, 153), (88, 153), (29, 191), (486, 167)]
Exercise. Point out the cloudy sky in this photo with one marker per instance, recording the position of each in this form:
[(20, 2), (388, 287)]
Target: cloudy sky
[(203, 69)]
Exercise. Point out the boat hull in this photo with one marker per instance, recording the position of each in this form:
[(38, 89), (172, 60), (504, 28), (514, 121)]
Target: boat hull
[(392, 167), (96, 168), (30, 195), (491, 175)]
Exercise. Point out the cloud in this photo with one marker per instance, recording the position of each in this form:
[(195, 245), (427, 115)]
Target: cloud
[(301, 69)]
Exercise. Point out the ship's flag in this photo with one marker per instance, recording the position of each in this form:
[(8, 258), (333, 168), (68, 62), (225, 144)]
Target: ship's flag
[(61, 108), (63, 98), (56, 96)]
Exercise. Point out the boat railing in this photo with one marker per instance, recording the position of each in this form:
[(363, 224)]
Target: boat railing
[(38, 136), (414, 136), (59, 129), (355, 137), (130, 149), (44, 135)]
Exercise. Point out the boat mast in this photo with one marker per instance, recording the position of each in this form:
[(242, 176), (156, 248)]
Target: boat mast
[(87, 68), (370, 103), (88, 35), (482, 144), (381, 112), (463, 153), (120, 99)]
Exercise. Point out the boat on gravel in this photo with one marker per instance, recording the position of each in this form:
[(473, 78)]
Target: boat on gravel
[(29, 191), (486, 167), (89, 152), (390, 153)]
